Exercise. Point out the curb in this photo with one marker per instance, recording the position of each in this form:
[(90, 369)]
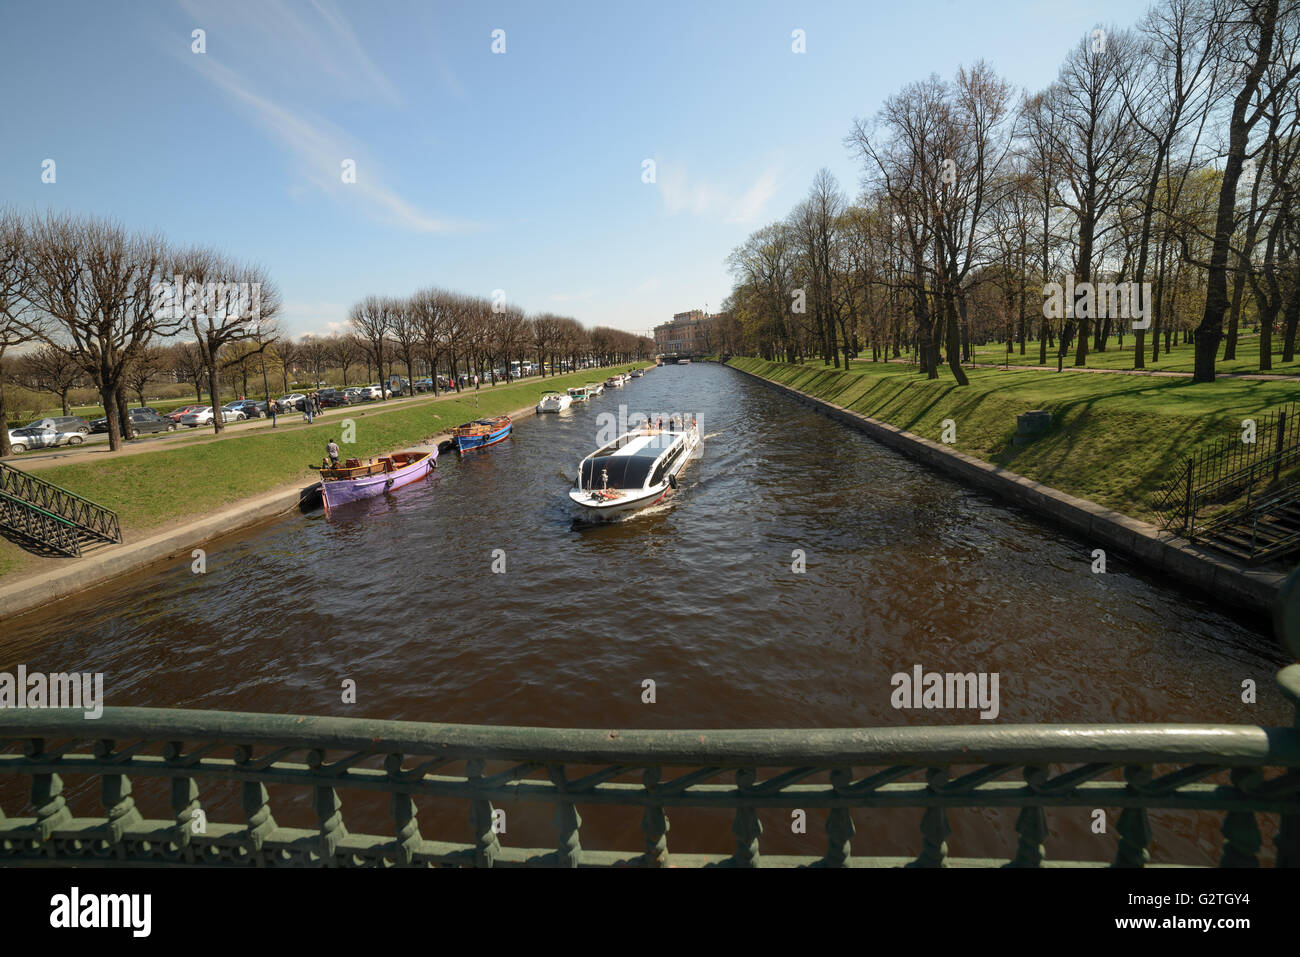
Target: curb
[(1157, 550)]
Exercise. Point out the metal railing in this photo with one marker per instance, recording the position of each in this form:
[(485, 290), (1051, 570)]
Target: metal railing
[(1229, 469), (38, 526), (89, 518), (1238, 771), (1106, 766)]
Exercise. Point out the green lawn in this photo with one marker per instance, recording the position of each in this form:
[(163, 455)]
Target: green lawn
[(1180, 359), (152, 489), (1115, 439)]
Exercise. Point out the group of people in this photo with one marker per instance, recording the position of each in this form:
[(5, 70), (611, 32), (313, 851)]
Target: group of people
[(311, 407)]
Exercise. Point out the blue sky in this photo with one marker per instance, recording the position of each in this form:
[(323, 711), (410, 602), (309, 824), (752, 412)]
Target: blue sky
[(476, 171)]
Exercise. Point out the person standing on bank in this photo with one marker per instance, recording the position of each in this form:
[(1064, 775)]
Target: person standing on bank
[(272, 407), (332, 450)]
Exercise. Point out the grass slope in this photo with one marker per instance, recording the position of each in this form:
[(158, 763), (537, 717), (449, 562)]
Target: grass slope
[(1114, 439)]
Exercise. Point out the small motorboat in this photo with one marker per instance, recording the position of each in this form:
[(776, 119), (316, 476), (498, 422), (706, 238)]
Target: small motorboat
[(636, 470), (480, 433), (595, 388), (355, 480), (579, 393), (614, 381), (554, 402), (637, 373)]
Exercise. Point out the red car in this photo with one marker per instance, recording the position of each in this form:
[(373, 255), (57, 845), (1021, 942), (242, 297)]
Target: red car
[(175, 414)]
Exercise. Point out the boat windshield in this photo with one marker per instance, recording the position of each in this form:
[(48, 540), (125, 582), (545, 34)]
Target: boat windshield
[(622, 471)]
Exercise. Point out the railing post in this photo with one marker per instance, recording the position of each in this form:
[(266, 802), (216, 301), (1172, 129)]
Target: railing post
[(47, 797), (1188, 521), (257, 808), (1241, 840), (1281, 439), (1134, 826), (746, 826), (568, 851), (839, 823), (934, 826), (406, 828), (486, 845), (116, 796), (1031, 831), (654, 823)]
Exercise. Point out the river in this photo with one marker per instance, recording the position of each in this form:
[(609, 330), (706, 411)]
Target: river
[(901, 567)]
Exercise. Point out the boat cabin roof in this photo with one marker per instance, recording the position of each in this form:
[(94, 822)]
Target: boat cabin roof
[(630, 465)]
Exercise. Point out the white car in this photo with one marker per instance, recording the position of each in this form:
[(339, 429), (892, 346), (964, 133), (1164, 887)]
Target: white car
[(289, 403), (373, 391), (29, 438), (204, 417), (233, 414)]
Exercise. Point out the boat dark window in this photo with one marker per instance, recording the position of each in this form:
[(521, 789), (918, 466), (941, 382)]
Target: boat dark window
[(625, 471)]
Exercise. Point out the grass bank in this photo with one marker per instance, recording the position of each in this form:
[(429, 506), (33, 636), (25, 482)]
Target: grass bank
[(152, 490), (1114, 439)]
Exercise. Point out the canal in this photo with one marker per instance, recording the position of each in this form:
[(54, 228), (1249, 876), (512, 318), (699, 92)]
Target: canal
[(901, 567)]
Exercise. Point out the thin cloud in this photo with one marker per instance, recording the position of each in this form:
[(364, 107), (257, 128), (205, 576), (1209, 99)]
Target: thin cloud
[(703, 198), (320, 148)]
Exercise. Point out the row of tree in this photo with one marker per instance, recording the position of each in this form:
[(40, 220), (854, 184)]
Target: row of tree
[(1166, 156), (437, 329), (85, 302)]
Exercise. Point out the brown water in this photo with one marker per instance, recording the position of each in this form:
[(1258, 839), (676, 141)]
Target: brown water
[(903, 567)]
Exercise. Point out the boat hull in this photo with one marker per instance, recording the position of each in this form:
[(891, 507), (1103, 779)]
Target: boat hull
[(468, 443), (344, 491)]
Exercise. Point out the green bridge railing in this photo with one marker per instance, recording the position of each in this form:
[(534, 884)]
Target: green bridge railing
[(1237, 771)]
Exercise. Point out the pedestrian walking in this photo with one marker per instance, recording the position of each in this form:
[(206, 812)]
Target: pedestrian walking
[(272, 407)]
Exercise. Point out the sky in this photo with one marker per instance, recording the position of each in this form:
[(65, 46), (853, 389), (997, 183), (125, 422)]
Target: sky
[(522, 171)]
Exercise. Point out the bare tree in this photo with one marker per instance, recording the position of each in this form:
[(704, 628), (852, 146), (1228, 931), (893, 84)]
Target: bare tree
[(18, 325)]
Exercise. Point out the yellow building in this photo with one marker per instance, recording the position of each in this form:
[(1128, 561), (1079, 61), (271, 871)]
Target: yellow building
[(689, 333)]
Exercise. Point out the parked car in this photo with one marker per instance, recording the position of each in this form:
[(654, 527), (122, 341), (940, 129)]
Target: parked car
[(374, 391), (29, 438), (177, 414), (291, 402), (331, 398), (101, 424), (204, 416), (424, 385), (251, 408), (233, 414), (353, 393), (147, 420), (61, 423)]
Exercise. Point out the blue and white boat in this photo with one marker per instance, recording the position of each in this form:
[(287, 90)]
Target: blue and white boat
[(480, 433)]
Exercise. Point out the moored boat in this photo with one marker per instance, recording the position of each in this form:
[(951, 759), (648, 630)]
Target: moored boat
[(637, 373), (614, 381), (554, 402), (480, 433), (355, 480), (636, 470), (579, 393), (595, 388)]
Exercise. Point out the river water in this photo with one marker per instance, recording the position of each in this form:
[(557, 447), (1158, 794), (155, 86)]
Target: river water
[(902, 567)]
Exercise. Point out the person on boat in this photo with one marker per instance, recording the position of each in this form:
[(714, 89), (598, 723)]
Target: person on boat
[(332, 450)]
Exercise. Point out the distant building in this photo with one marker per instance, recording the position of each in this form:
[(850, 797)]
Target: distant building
[(688, 333)]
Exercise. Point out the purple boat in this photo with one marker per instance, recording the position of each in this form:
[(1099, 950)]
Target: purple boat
[(355, 480)]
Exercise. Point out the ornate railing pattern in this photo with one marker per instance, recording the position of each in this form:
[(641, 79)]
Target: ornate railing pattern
[(653, 773), (90, 519)]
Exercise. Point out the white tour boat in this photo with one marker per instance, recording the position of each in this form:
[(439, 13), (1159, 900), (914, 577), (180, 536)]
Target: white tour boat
[(595, 388), (579, 393), (634, 471), (554, 402)]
